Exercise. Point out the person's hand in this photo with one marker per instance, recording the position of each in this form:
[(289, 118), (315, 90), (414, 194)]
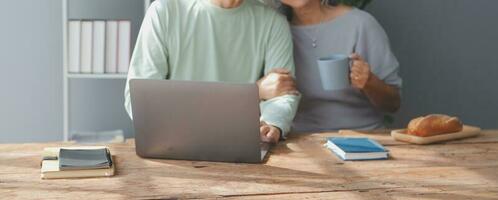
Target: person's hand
[(360, 72), (269, 133), (276, 83)]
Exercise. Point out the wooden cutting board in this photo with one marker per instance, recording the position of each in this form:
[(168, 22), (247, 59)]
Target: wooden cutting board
[(467, 131)]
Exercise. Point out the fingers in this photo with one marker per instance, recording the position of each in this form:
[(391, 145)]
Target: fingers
[(358, 61), (273, 136), (355, 56), (288, 90), (358, 74), (285, 77), (263, 132), (359, 79), (360, 66), (293, 92), (269, 134), (287, 83), (354, 77), (360, 71), (275, 77), (356, 68), (279, 78), (276, 84)]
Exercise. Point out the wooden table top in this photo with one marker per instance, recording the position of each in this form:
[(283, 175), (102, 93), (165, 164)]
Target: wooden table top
[(299, 168)]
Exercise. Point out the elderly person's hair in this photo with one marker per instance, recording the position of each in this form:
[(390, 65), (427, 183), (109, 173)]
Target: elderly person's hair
[(287, 11)]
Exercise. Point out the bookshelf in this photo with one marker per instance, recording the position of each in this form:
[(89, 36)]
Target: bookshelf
[(132, 10), (97, 76)]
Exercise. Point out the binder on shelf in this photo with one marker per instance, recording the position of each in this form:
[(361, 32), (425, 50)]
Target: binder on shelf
[(86, 46), (74, 34), (99, 47), (124, 40), (111, 47), (98, 57)]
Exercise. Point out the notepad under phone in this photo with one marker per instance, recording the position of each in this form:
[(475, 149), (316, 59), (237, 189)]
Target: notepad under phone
[(76, 162), (356, 148)]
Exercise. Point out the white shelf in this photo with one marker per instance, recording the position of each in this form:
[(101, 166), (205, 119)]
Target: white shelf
[(97, 76), (84, 13)]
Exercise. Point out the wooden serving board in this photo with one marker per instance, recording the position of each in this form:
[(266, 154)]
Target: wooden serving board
[(467, 131)]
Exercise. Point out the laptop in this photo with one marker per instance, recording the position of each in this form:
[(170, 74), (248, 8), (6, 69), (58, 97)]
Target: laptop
[(192, 120)]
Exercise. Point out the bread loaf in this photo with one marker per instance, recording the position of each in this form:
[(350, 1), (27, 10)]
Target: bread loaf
[(434, 124)]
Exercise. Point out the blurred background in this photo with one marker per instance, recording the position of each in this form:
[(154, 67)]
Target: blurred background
[(447, 50)]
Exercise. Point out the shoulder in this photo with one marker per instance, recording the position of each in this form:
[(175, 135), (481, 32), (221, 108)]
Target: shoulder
[(163, 5), (364, 20), (166, 3), (160, 5)]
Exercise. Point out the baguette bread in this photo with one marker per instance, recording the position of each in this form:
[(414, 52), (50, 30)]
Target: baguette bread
[(434, 124)]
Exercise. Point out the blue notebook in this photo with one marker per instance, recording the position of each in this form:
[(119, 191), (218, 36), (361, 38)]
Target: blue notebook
[(356, 148)]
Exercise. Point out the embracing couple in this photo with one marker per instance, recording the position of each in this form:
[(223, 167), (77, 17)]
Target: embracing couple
[(277, 48)]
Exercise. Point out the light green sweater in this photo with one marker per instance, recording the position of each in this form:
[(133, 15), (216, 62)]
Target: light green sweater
[(197, 40)]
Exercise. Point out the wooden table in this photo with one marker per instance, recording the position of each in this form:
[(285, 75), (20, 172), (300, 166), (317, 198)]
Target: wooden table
[(299, 168)]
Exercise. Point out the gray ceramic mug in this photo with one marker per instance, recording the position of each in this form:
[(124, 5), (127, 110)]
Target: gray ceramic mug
[(334, 72)]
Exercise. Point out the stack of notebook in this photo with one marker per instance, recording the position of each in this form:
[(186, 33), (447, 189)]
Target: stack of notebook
[(356, 148), (76, 162)]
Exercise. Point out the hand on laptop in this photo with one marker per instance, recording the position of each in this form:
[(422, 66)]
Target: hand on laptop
[(276, 83), (269, 133)]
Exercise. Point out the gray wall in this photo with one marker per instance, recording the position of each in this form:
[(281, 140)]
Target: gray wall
[(448, 54), (31, 60), (31, 66)]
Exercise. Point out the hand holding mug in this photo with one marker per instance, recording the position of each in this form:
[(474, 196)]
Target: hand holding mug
[(360, 71)]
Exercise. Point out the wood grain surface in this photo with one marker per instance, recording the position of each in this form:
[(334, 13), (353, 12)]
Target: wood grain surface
[(299, 168)]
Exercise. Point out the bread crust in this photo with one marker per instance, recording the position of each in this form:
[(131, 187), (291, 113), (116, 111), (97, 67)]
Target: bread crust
[(434, 124)]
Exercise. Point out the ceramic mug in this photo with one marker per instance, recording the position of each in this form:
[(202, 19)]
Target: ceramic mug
[(334, 71)]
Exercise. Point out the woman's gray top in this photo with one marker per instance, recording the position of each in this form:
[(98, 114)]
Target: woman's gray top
[(319, 110)]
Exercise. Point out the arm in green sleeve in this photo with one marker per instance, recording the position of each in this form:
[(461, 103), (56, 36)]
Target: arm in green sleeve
[(150, 57), (280, 111)]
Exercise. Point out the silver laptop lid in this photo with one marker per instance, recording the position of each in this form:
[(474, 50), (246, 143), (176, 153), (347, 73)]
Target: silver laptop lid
[(190, 120)]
